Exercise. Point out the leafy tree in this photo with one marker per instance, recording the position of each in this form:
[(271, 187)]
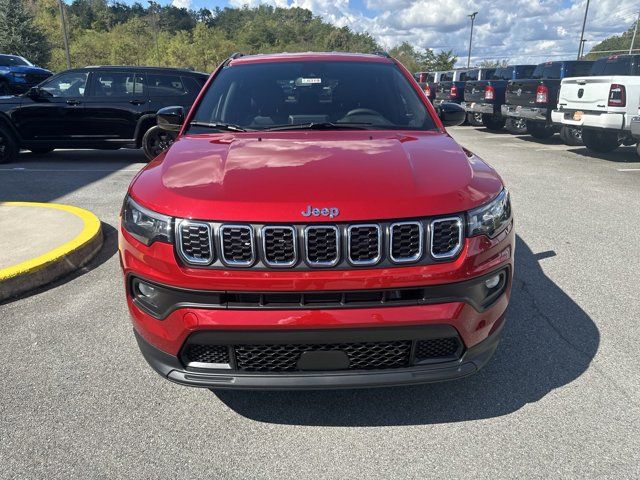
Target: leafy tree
[(493, 63), (615, 44), (19, 33), (445, 60)]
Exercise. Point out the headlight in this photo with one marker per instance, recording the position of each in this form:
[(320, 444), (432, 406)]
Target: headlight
[(144, 225), (492, 218)]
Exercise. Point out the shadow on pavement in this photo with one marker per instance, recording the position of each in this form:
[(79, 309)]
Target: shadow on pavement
[(108, 250), (621, 154), (548, 342), (45, 178), (552, 140)]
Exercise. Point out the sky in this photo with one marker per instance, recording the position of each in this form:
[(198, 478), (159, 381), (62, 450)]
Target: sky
[(521, 31)]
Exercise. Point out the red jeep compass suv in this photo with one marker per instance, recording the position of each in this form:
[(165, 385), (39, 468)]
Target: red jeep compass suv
[(314, 226)]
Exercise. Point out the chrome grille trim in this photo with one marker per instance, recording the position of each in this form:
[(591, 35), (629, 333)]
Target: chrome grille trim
[(453, 252), (264, 245), (223, 253), (374, 260), (413, 258), (178, 236), (310, 228)]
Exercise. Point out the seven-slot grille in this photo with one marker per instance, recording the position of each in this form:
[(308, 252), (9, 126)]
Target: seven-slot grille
[(279, 246), (315, 246), (446, 237), (364, 244), (236, 244), (322, 245), (194, 239), (406, 241)]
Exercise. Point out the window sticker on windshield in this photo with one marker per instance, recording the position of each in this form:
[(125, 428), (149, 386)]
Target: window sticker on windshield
[(310, 80)]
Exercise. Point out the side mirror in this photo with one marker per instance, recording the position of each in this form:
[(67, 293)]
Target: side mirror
[(451, 114), (170, 118), (34, 92)]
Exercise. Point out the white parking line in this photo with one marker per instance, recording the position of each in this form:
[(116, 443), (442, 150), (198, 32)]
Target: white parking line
[(628, 169)]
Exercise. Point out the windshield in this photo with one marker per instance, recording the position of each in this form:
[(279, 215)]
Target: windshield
[(266, 95), (547, 70), (12, 61), (622, 65)]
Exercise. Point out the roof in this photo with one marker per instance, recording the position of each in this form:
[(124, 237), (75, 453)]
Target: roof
[(141, 67), (311, 56)]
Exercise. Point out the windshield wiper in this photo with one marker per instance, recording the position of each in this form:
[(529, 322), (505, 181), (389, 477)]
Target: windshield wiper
[(321, 126), (220, 126)]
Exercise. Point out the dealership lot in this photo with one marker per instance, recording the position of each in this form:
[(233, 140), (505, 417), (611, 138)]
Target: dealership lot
[(561, 397)]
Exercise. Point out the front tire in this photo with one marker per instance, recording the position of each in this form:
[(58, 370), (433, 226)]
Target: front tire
[(8, 147), (155, 141), (474, 119), (571, 136), (493, 122), (517, 126), (601, 141)]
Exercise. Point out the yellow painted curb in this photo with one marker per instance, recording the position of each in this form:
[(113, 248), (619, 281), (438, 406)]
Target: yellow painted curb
[(90, 230)]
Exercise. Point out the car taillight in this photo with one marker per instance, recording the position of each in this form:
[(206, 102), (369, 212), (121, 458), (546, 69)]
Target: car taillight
[(427, 90), (617, 95), (454, 92), (489, 93), (542, 94)]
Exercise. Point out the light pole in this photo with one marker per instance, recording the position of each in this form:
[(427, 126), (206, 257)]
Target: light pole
[(635, 30), (65, 38), (581, 51), (584, 22), (473, 18)]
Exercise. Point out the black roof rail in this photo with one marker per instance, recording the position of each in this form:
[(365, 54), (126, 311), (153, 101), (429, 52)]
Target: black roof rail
[(382, 54), (232, 57)]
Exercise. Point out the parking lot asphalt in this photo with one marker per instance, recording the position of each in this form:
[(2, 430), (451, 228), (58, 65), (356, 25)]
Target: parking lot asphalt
[(560, 399)]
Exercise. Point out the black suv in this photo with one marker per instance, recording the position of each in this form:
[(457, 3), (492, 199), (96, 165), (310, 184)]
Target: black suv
[(96, 107)]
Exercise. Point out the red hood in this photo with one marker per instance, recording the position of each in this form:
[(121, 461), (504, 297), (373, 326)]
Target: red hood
[(272, 177)]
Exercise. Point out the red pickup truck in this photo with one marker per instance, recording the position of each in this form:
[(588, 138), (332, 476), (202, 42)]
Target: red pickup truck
[(309, 230)]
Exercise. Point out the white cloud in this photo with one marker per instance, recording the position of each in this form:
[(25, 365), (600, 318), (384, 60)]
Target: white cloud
[(181, 3), (519, 30)]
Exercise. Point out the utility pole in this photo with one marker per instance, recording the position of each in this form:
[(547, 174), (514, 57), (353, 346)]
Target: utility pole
[(581, 51), (584, 22), (155, 6), (473, 17), (64, 34), (635, 30)]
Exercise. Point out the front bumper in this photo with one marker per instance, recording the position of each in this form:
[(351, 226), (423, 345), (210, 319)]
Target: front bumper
[(604, 120), (477, 107), (529, 113), (471, 361)]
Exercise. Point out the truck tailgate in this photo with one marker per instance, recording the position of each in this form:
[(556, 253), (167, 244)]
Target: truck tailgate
[(586, 93), (443, 91), (522, 92), (474, 91)]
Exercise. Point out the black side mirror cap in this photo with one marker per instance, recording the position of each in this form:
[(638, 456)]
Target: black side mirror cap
[(451, 114), (170, 118), (34, 92)]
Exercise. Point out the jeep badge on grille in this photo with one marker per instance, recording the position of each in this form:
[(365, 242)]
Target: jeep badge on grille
[(330, 212)]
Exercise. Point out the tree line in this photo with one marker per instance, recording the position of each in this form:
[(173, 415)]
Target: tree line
[(105, 32)]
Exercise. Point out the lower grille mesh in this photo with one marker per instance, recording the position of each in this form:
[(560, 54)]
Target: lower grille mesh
[(437, 348), (362, 355), (284, 358), (207, 353)]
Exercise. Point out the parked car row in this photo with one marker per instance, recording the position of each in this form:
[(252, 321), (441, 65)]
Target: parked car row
[(595, 103), (104, 107)]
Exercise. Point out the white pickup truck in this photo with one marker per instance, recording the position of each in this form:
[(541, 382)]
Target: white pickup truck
[(604, 104)]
